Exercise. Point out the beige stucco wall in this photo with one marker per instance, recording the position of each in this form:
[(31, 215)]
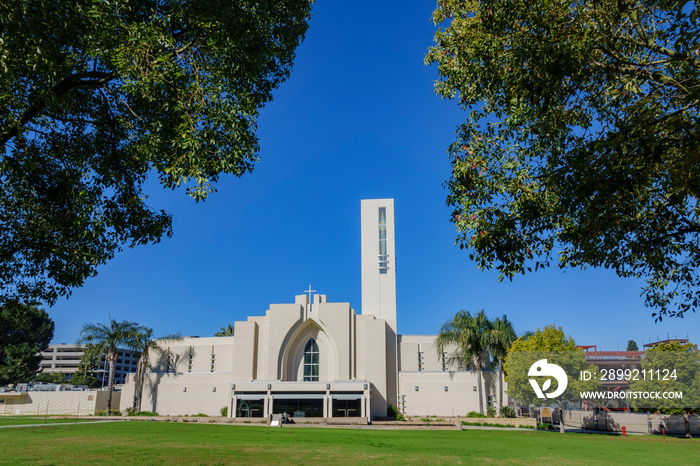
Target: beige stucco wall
[(180, 394), (245, 343), (188, 389), (411, 345), (431, 378), (202, 350), (431, 398), (83, 403), (371, 360)]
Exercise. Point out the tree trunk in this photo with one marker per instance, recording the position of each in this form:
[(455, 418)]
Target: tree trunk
[(136, 404), (686, 421), (561, 418), (142, 377), (500, 385), (478, 387), (111, 357)]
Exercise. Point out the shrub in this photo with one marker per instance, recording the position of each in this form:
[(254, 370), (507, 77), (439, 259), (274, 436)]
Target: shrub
[(474, 414), (200, 415), (131, 412), (393, 411), (491, 411), (486, 424), (507, 411), (544, 426), (224, 411)]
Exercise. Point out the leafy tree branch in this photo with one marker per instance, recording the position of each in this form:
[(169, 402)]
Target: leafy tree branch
[(581, 144)]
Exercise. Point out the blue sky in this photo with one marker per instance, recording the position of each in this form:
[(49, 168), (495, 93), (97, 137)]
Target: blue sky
[(357, 119)]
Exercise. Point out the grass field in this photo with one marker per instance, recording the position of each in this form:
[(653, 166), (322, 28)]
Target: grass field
[(139, 442)]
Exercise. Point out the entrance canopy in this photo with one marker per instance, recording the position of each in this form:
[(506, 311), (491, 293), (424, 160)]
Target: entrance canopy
[(301, 399)]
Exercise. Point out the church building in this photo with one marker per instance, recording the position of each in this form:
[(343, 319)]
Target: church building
[(314, 358)]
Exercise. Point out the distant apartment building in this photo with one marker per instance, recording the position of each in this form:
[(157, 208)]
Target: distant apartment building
[(64, 358)]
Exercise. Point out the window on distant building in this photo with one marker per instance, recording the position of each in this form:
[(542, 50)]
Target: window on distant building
[(311, 361)]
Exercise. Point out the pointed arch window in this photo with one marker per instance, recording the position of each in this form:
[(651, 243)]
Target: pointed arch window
[(311, 361)]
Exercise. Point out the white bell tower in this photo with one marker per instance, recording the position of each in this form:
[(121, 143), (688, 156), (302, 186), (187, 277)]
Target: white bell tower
[(379, 260)]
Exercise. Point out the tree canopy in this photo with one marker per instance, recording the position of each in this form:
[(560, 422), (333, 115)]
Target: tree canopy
[(470, 335), (25, 331), (86, 372), (501, 337), (97, 95), (108, 339), (146, 343), (668, 367), (551, 344), (227, 331), (581, 145)]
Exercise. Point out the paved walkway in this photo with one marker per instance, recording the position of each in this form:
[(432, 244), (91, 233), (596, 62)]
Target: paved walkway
[(381, 426), (49, 424), (498, 428)]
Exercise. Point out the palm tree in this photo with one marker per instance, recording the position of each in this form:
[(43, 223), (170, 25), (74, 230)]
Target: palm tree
[(225, 331), (470, 334), (108, 339), (501, 337), (145, 344)]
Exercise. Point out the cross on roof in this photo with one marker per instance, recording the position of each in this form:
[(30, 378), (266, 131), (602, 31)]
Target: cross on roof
[(310, 291)]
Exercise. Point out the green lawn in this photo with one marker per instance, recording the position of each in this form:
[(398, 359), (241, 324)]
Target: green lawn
[(140, 442), (24, 420)]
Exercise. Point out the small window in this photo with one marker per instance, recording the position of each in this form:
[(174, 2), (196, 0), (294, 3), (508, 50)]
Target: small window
[(311, 361), (420, 360)]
